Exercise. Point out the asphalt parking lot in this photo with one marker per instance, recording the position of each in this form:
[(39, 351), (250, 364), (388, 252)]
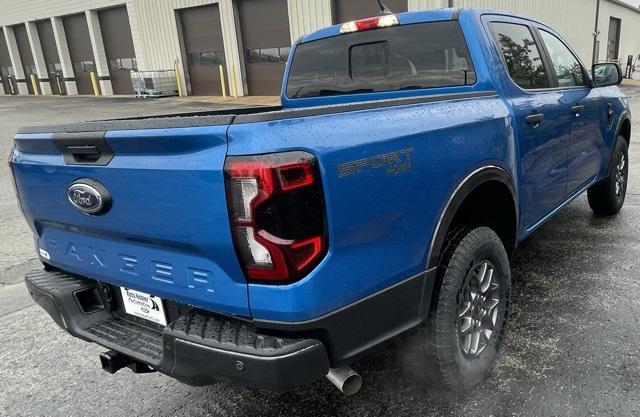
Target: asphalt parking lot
[(572, 347)]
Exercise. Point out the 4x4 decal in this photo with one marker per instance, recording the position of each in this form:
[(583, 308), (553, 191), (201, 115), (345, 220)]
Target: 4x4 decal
[(394, 162)]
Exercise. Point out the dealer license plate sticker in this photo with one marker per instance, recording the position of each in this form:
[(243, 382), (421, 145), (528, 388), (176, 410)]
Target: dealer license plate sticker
[(143, 305)]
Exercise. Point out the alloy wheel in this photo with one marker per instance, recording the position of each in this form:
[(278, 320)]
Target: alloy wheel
[(478, 309), (621, 175)]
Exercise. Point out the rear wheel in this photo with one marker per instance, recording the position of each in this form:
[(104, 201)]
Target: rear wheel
[(457, 348), (606, 198)]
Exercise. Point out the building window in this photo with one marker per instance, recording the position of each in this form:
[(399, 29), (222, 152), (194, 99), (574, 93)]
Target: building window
[(30, 69), (206, 58), (284, 53), (253, 56), (54, 68), (268, 55), (123, 64), (6, 72), (84, 66)]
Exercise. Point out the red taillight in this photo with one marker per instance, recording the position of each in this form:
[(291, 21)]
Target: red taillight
[(276, 210), (377, 22), (13, 176), (10, 158), (11, 162)]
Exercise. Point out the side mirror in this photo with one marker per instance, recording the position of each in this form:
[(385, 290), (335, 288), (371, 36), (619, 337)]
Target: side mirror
[(605, 75)]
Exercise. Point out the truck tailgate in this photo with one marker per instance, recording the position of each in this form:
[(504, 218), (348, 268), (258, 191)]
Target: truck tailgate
[(166, 231)]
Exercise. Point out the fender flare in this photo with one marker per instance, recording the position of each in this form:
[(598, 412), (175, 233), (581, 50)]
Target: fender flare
[(461, 192), (623, 117)]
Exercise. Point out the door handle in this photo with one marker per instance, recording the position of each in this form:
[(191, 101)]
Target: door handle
[(577, 109), (535, 119), (609, 114)]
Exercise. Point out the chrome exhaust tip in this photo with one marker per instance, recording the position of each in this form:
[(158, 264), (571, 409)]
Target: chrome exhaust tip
[(345, 379)]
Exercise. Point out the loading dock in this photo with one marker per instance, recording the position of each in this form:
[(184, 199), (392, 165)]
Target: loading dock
[(202, 48), (267, 43), (256, 42), (118, 44), (26, 56), (77, 33)]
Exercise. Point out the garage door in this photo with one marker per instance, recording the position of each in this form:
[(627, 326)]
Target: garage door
[(6, 69), (24, 49), (77, 32), (50, 52), (203, 49), (118, 44), (267, 43), (347, 10)]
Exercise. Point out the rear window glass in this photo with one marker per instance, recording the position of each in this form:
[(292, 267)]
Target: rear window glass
[(424, 55)]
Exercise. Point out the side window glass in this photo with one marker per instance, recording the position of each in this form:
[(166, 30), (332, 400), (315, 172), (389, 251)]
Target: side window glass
[(521, 54), (566, 66)]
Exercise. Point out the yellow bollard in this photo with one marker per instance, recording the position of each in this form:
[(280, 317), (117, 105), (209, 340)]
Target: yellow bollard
[(94, 82), (34, 84), (233, 81), (222, 83), (180, 92)]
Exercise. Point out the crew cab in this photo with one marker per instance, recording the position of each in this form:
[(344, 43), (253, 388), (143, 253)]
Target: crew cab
[(273, 246)]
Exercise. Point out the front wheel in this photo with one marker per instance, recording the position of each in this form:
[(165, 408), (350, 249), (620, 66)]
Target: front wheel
[(606, 198), (457, 348)]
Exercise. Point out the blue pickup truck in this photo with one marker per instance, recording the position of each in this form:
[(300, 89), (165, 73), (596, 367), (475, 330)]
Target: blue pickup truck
[(382, 201)]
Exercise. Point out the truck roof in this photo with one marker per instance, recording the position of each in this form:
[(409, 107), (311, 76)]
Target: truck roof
[(408, 18)]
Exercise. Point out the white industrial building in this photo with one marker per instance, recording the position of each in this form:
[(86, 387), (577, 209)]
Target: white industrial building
[(52, 46)]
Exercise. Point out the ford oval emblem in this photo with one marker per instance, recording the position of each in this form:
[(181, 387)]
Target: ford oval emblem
[(89, 196)]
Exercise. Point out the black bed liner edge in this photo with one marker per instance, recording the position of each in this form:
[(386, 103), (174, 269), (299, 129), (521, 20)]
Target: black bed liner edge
[(241, 115)]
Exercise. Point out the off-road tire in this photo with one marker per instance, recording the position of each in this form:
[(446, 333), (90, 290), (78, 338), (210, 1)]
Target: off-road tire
[(437, 354), (606, 198)]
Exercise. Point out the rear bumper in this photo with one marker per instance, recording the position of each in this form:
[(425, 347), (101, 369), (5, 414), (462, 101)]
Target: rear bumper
[(200, 348), (197, 348)]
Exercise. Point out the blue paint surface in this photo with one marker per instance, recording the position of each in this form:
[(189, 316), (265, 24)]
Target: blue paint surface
[(168, 231)]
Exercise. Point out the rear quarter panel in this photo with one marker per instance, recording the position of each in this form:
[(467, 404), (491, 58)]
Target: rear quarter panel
[(380, 222)]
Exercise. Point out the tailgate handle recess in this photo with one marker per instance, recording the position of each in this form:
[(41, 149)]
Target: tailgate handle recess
[(84, 153), (85, 148)]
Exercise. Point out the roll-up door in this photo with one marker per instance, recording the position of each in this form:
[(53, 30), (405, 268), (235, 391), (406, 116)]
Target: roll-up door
[(613, 43), (267, 43), (203, 48), (79, 42), (118, 44), (24, 49), (51, 58), (347, 10), (6, 68)]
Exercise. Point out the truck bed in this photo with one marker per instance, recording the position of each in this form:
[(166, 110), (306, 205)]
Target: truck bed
[(160, 121), (238, 115)]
